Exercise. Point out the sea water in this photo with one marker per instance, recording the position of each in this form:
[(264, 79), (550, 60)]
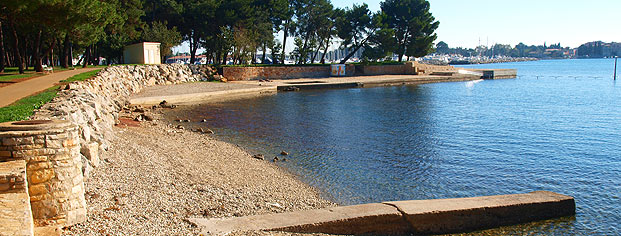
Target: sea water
[(557, 127)]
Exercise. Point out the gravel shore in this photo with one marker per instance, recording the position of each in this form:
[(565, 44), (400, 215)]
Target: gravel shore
[(155, 176)]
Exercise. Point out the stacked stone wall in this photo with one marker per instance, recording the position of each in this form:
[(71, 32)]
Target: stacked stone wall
[(416, 68), (295, 72), (384, 70), (53, 169), (15, 214), (275, 72)]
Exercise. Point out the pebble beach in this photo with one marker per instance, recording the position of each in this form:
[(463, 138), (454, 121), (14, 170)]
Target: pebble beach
[(155, 176)]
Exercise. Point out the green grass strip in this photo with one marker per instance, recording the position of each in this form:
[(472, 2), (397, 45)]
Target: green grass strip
[(82, 76), (25, 107), (17, 76)]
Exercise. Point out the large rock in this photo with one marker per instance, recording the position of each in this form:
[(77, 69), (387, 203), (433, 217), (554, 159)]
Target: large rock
[(91, 152)]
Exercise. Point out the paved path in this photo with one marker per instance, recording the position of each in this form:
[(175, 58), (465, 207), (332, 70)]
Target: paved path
[(14, 92)]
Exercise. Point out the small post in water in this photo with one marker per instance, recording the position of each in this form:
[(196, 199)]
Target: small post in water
[(615, 74)]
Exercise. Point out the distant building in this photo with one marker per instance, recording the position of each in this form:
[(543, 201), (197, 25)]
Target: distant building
[(142, 53)]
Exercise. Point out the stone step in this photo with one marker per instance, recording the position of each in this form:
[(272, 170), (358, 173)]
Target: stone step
[(438, 216), (15, 213)]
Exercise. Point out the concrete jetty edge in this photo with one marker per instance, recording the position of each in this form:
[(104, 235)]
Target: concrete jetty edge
[(204, 96), (436, 216), (261, 88)]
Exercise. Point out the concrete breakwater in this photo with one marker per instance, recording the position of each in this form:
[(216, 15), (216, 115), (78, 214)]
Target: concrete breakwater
[(57, 161), (435, 216)]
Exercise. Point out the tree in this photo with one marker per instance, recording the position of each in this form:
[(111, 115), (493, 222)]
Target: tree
[(413, 24), (159, 32), (127, 28), (327, 32), (2, 58), (382, 43), (276, 53), (442, 48), (355, 28), (11, 11), (310, 15), (288, 25)]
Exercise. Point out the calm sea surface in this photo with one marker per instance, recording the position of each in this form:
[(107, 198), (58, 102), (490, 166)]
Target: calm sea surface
[(556, 127)]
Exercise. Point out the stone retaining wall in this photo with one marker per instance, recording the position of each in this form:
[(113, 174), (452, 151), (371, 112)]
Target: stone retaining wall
[(416, 68), (53, 168), (384, 70), (295, 72), (15, 214), (275, 72)]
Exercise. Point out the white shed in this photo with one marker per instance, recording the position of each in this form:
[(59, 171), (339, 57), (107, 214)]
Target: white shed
[(142, 53)]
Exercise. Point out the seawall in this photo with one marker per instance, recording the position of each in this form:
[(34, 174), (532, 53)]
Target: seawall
[(237, 73)]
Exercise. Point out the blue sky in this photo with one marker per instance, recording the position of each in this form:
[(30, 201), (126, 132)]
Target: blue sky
[(569, 22)]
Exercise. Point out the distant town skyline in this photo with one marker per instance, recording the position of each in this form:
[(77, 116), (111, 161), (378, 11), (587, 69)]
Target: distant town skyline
[(532, 22)]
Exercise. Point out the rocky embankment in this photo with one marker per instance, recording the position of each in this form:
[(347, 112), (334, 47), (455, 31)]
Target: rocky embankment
[(94, 104)]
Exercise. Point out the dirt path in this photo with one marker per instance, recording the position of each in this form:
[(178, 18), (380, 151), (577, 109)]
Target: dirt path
[(10, 94)]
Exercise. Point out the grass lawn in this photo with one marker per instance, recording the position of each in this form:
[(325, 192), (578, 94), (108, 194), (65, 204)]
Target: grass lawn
[(81, 77), (12, 73), (9, 77), (25, 107)]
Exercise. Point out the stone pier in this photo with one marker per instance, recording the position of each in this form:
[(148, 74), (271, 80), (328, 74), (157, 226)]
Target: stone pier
[(51, 152)]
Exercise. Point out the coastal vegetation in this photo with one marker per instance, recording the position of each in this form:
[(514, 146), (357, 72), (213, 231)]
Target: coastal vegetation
[(597, 49), (38, 33)]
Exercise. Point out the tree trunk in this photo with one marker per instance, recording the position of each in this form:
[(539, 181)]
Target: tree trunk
[(193, 47), (316, 52), (284, 42), (192, 51), (87, 56), (36, 54), (95, 55), (25, 54), (64, 60), (303, 53), (325, 51), (218, 57), (18, 57), (8, 58), (263, 56), (354, 51), (2, 54)]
